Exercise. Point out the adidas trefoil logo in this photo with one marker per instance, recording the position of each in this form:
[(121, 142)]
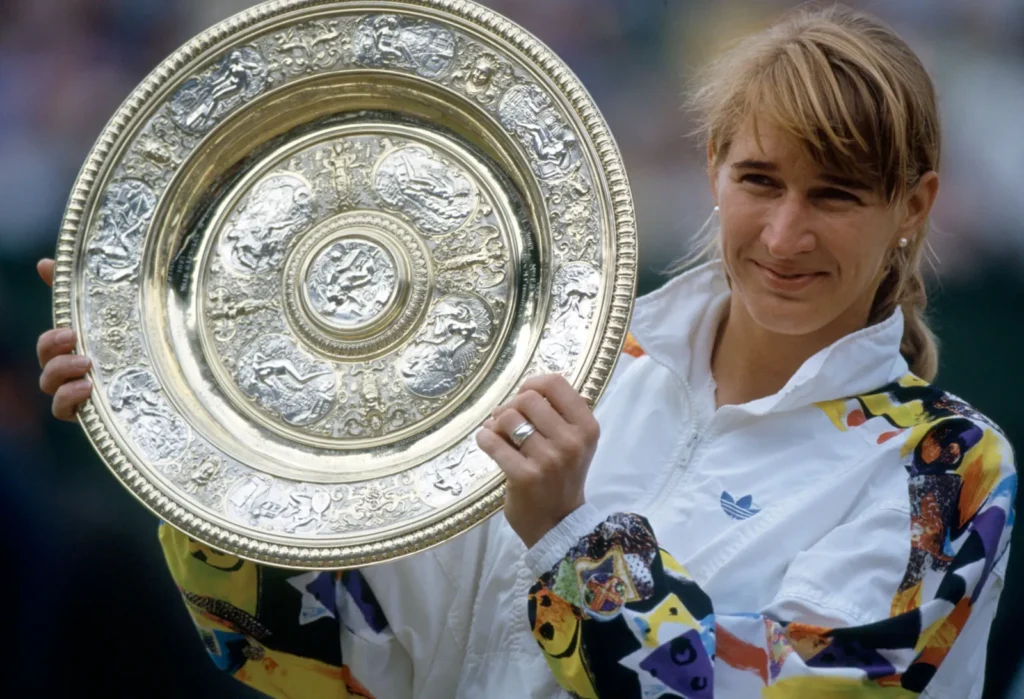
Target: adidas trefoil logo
[(739, 509)]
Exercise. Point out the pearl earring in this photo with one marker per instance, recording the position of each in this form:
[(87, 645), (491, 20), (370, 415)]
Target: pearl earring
[(716, 208), (903, 242)]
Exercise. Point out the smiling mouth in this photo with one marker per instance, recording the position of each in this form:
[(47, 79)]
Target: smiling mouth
[(790, 276)]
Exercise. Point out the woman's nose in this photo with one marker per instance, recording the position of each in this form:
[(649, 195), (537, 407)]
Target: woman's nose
[(788, 230)]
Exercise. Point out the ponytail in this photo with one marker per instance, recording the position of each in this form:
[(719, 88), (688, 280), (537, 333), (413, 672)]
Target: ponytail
[(904, 286)]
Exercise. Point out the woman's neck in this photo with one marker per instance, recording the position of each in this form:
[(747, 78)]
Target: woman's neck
[(749, 361)]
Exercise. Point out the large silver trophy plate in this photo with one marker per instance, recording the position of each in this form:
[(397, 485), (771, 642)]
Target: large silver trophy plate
[(313, 251)]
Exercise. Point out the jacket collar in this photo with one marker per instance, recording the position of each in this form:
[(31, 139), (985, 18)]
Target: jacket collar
[(676, 324)]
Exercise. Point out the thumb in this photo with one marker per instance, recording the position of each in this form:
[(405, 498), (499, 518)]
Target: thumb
[(45, 269)]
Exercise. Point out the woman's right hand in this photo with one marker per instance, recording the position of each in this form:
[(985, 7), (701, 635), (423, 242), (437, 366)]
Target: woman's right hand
[(63, 372)]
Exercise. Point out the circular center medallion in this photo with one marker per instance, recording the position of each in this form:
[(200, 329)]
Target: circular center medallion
[(350, 283), (356, 285)]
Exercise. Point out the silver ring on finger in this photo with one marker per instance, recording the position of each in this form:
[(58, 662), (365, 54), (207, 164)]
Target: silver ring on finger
[(522, 433)]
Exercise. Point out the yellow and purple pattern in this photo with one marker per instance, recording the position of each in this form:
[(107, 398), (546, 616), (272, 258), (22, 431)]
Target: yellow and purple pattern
[(664, 639), (276, 630)]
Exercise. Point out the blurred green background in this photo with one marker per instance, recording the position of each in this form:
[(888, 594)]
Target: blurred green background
[(89, 602)]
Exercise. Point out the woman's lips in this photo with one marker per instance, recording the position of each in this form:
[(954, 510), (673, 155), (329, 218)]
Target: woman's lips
[(786, 280)]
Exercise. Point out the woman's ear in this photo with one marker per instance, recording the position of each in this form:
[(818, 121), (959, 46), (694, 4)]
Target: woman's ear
[(712, 172), (919, 204)]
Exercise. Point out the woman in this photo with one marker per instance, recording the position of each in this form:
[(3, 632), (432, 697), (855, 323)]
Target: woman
[(837, 526)]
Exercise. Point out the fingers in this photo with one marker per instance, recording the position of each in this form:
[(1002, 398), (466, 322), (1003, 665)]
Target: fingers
[(53, 343), (565, 399), (534, 407), (45, 270), (579, 421), (62, 369), (508, 422), (508, 458), (69, 397), (546, 452)]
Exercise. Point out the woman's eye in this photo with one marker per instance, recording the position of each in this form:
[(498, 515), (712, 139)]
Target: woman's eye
[(840, 194), (759, 180)]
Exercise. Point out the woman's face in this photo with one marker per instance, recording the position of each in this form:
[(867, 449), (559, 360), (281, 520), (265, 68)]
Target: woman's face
[(805, 248)]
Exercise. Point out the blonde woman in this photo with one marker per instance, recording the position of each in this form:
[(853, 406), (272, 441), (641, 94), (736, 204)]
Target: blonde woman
[(770, 499)]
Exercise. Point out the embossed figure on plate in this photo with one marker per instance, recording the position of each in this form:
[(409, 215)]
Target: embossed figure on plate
[(529, 113), (451, 473), (477, 258), (257, 235), (258, 500), (351, 282), (114, 252), (391, 41), (575, 291), (457, 332), (344, 167), (484, 76), (286, 381), (157, 152), (135, 397), (375, 406), (434, 194), (308, 48), (201, 102), (576, 285), (574, 216), (223, 312)]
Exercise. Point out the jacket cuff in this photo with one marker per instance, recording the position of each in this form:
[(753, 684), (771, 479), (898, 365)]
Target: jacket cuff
[(555, 545)]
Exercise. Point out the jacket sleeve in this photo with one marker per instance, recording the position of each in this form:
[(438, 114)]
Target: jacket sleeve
[(280, 631), (617, 616)]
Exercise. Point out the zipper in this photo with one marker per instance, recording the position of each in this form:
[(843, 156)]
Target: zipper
[(679, 470)]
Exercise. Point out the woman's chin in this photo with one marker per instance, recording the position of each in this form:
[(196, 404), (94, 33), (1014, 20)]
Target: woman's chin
[(788, 317)]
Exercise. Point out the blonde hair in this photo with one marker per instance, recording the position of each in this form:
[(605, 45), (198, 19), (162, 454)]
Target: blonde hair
[(859, 99)]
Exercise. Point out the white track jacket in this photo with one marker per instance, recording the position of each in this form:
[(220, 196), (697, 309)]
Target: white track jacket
[(845, 537)]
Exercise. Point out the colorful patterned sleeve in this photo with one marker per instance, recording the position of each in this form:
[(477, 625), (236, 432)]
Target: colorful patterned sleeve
[(618, 617), (276, 630)]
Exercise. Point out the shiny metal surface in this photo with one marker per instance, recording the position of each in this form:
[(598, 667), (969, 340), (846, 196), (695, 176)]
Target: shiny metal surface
[(314, 250)]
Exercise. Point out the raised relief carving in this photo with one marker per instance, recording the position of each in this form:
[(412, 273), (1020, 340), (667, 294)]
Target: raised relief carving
[(451, 472), (257, 234), (375, 504), (482, 76), (204, 474), (475, 257), (457, 332), (205, 99), (286, 381), (114, 253), (136, 398), (406, 254), (224, 311), (444, 479), (344, 165), (389, 41), (300, 508), (434, 194), (375, 405), (157, 152), (281, 506), (575, 291), (308, 48), (574, 219), (113, 327), (351, 282), (528, 113)]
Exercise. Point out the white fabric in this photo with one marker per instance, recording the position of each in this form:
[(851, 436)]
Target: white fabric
[(827, 538)]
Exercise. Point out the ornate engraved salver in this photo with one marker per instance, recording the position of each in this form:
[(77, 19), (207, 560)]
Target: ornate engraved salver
[(315, 249)]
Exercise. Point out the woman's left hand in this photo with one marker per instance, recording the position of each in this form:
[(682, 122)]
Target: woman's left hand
[(546, 474)]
